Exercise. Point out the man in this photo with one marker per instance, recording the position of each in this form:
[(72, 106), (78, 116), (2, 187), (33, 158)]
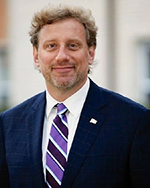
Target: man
[(109, 136)]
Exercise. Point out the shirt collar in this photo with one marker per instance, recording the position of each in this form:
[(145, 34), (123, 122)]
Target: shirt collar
[(74, 103)]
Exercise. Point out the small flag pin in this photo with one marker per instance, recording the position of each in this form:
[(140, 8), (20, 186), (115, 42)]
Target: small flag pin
[(94, 121)]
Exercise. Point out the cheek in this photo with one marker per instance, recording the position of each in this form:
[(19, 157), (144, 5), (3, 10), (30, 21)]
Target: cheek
[(45, 60), (84, 65)]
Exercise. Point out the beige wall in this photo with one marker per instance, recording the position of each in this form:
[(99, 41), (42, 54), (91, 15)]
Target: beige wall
[(132, 25)]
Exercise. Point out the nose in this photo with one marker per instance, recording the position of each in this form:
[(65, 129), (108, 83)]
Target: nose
[(62, 55)]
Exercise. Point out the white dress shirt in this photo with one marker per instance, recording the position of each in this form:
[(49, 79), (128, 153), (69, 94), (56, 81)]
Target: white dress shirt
[(74, 105)]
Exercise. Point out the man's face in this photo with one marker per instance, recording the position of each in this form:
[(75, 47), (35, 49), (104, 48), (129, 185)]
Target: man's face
[(63, 55)]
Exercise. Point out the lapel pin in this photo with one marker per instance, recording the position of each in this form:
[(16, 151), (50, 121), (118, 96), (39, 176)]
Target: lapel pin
[(94, 121)]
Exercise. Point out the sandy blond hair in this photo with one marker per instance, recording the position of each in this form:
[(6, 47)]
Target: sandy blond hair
[(51, 14)]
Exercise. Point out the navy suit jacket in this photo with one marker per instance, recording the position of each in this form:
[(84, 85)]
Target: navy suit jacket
[(113, 152)]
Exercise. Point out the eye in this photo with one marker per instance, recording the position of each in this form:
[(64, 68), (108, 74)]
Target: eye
[(73, 46), (51, 46)]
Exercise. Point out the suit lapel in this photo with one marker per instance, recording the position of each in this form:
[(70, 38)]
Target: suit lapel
[(88, 127), (34, 125)]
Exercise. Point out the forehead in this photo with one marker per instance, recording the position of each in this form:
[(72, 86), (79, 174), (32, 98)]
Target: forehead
[(63, 28)]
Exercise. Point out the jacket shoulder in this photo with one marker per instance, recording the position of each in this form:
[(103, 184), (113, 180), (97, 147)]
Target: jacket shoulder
[(114, 100)]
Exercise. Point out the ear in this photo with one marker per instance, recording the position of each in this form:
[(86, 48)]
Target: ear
[(35, 57), (91, 54)]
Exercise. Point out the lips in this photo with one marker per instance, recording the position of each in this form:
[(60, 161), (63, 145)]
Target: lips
[(63, 69)]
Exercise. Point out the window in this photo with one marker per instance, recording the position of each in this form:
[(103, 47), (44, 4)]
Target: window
[(144, 73), (3, 79)]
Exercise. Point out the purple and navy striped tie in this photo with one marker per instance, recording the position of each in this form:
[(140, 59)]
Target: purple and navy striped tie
[(57, 148)]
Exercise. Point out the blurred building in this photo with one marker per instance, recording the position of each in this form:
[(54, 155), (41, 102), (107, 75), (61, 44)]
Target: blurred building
[(4, 66), (122, 56)]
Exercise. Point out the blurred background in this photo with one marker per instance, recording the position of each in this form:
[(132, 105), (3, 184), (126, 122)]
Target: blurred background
[(122, 55)]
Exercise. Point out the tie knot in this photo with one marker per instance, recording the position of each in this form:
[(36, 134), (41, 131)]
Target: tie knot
[(61, 108)]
